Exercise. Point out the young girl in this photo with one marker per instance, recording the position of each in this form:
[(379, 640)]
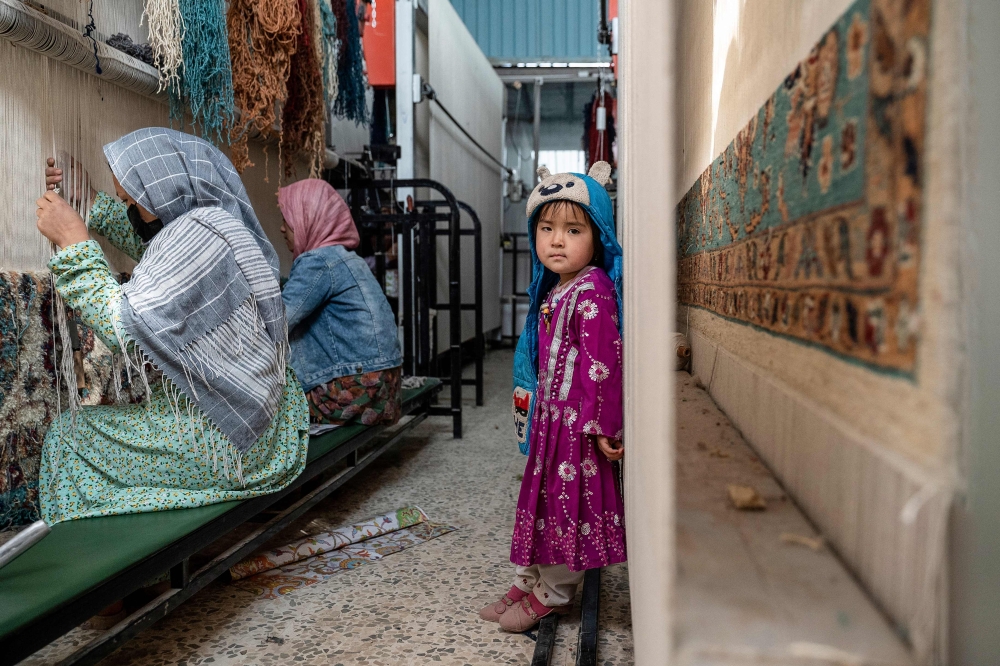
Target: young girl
[(567, 400)]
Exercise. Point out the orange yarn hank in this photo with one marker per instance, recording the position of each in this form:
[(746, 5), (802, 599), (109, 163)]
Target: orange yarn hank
[(302, 120), (263, 37)]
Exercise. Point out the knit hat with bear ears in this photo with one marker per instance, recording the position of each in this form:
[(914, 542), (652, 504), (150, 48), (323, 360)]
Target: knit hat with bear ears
[(567, 186)]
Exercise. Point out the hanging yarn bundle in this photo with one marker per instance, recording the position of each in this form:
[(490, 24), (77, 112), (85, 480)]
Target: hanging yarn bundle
[(262, 38), (191, 49), (329, 44), (351, 101), (302, 119), (206, 80), (165, 34)]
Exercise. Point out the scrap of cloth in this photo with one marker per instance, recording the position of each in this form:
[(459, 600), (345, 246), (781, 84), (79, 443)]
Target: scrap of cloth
[(204, 304), (317, 215), (328, 540)]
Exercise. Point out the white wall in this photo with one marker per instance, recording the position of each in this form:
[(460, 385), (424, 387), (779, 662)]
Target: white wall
[(647, 100), (466, 84)]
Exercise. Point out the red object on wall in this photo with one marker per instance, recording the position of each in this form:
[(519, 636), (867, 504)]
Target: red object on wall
[(599, 143), (380, 42), (612, 14)]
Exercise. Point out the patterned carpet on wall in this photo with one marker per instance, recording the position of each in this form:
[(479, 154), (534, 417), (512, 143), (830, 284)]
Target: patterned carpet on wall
[(28, 398), (808, 225)]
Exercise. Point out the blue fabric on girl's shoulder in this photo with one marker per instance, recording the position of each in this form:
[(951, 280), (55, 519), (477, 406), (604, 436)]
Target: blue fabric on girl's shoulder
[(597, 203)]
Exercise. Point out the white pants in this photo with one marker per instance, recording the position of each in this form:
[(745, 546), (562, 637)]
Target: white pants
[(553, 584)]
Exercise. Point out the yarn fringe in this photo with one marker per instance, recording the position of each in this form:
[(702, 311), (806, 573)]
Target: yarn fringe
[(302, 120), (206, 80), (262, 38), (203, 360), (166, 32), (329, 57), (351, 100)]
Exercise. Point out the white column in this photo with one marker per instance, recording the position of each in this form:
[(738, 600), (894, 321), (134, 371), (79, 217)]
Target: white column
[(404, 91), (646, 183)]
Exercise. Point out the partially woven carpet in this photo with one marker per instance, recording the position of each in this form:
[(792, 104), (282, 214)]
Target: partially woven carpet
[(27, 390), (28, 397)]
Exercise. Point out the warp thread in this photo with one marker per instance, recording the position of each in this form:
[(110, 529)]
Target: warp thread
[(24, 26), (302, 119), (206, 79), (351, 100), (262, 38)]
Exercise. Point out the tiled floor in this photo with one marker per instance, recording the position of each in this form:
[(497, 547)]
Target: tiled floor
[(414, 607)]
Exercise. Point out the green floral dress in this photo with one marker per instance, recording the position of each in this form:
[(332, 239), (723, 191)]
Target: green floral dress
[(134, 458)]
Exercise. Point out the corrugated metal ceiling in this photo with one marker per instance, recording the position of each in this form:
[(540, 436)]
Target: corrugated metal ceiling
[(533, 30)]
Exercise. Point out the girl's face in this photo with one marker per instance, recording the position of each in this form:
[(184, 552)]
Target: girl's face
[(564, 240), (289, 235)]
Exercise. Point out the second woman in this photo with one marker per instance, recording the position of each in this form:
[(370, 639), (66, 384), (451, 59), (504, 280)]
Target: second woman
[(342, 331)]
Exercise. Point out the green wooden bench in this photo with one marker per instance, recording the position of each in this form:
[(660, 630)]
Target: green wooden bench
[(82, 566)]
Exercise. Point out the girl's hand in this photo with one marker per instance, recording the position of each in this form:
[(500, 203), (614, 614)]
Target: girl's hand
[(59, 222), (611, 448)]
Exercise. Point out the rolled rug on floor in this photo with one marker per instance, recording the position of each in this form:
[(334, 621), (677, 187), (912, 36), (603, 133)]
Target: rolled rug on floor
[(324, 542)]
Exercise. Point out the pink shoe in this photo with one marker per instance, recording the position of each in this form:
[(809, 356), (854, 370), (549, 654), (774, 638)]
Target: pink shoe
[(493, 612), (525, 615)]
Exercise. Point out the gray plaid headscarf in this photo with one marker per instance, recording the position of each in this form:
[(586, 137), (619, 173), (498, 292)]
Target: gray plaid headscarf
[(204, 303), (170, 173)]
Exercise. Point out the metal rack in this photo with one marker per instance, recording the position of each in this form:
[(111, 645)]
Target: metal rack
[(479, 343), (513, 247), (375, 208)]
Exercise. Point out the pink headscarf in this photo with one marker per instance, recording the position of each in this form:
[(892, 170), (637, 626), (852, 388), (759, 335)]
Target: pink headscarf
[(317, 215)]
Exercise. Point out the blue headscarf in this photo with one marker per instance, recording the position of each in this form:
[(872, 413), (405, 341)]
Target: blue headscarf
[(594, 199)]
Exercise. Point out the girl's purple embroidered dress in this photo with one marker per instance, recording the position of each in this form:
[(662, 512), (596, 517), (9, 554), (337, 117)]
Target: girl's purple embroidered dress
[(569, 510)]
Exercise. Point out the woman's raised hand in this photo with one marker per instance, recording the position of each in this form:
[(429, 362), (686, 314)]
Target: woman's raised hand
[(59, 222), (79, 191)]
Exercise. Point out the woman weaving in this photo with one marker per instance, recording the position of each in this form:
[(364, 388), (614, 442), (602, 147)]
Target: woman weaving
[(201, 323)]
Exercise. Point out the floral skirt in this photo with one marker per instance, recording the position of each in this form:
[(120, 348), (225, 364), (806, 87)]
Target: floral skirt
[(371, 398)]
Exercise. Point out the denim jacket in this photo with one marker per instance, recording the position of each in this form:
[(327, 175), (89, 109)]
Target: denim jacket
[(339, 322)]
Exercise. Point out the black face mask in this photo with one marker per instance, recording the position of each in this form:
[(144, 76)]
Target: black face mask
[(146, 230)]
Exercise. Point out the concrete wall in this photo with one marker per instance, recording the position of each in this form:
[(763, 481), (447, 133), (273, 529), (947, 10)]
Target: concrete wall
[(466, 84), (853, 444), (975, 624)]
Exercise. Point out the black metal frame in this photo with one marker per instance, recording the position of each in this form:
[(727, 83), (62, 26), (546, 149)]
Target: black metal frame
[(30, 638), (512, 247), (476, 306), (419, 228), (586, 646)]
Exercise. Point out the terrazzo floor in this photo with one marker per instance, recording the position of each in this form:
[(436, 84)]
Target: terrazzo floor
[(414, 607)]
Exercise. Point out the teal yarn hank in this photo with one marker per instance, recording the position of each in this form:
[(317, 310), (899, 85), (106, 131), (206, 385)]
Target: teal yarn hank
[(351, 102), (206, 78), (329, 31)]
